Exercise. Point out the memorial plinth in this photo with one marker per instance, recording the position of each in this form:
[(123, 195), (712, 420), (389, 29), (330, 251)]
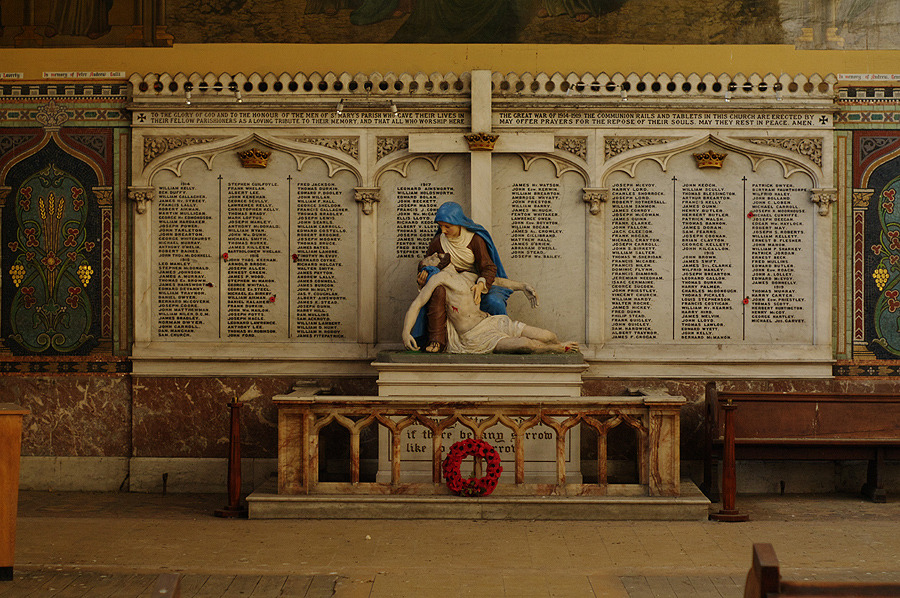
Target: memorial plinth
[(10, 447), (485, 378), (657, 494)]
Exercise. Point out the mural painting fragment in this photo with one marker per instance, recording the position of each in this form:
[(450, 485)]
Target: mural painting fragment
[(807, 24), (50, 271), (878, 193), (55, 269)]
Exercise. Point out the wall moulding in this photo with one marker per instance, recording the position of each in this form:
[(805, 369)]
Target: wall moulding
[(300, 87), (789, 161)]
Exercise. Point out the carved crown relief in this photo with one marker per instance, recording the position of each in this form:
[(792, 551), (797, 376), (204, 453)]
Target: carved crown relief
[(710, 159), (481, 142), (254, 158)]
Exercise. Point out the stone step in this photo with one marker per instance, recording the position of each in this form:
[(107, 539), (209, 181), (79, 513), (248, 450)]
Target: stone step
[(692, 505)]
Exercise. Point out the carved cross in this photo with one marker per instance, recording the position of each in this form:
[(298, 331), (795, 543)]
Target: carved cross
[(481, 144)]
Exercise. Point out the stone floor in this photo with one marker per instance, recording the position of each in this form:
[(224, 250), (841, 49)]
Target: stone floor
[(108, 544)]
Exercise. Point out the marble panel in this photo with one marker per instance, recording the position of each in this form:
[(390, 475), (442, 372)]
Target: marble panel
[(539, 230), (254, 254), (73, 416), (406, 226), (711, 256), (189, 417)]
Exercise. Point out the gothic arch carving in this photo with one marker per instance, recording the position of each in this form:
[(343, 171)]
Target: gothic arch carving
[(208, 152), (757, 154), (561, 162), (400, 161)]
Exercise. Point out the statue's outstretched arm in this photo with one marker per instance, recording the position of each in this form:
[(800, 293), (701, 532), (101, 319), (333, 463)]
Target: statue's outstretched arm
[(515, 285)]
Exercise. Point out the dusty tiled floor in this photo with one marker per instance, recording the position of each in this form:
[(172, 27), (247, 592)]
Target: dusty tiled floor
[(93, 544)]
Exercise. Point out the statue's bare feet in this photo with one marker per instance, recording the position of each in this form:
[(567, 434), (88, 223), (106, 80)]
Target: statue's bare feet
[(570, 346), (434, 347)]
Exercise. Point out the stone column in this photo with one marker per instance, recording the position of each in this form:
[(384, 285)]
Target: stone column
[(664, 456), (367, 198), (143, 235)]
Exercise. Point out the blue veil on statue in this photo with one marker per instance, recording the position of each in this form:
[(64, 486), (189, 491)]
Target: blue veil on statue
[(494, 301)]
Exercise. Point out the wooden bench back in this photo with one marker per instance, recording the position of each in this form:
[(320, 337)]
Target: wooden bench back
[(805, 416), (764, 581)]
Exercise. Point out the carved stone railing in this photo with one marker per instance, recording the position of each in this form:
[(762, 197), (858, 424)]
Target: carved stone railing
[(653, 419), (196, 87)]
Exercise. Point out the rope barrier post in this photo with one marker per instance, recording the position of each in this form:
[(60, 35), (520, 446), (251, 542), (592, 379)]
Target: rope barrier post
[(234, 509)]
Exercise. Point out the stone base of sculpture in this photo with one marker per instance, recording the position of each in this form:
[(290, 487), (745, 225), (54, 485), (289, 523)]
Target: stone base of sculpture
[(487, 379)]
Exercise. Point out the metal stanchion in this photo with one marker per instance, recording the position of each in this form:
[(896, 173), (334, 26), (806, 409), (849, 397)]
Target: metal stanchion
[(729, 511), (234, 509)]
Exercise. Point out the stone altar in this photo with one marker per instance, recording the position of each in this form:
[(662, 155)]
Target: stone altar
[(482, 378)]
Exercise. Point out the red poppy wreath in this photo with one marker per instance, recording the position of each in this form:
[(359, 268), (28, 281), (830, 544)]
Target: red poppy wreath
[(472, 486)]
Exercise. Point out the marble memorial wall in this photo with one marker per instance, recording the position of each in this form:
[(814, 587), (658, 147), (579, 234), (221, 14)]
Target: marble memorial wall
[(405, 228), (254, 255), (539, 229), (711, 255), (628, 242)]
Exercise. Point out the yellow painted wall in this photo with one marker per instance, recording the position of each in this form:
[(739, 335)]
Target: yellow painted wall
[(383, 58)]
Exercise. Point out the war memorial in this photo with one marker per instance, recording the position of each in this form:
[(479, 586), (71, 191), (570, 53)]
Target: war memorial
[(193, 232)]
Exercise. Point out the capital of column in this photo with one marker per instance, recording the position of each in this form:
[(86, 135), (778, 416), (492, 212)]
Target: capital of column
[(367, 196), (861, 198), (4, 193), (141, 196), (104, 195), (594, 196), (823, 198)]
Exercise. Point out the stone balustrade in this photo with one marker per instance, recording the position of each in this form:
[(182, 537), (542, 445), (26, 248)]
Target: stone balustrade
[(653, 419)]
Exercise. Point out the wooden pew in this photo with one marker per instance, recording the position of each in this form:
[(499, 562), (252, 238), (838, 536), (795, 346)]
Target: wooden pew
[(764, 581), (804, 426)]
